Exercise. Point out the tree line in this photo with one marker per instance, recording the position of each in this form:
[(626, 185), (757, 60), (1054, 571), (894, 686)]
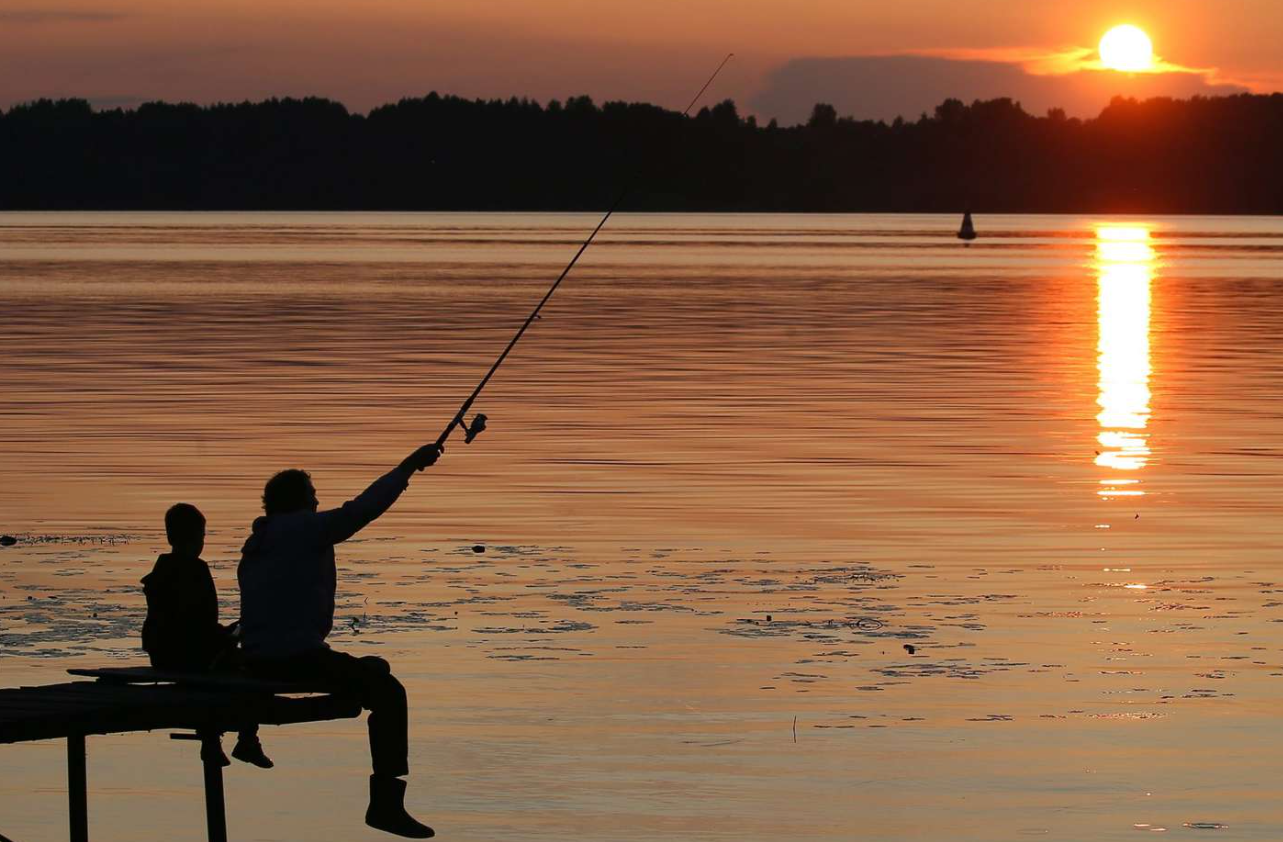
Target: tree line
[(1201, 155)]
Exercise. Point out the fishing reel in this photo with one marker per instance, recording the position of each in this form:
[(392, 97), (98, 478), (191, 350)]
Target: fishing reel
[(471, 432)]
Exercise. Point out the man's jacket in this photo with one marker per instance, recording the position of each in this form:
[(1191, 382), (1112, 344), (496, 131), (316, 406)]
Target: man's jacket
[(287, 575)]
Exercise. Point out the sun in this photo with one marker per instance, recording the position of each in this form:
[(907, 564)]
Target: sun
[(1126, 48)]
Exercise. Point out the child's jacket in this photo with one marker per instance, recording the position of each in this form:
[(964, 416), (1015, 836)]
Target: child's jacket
[(181, 631)]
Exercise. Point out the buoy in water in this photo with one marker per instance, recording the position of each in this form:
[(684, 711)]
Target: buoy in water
[(968, 230)]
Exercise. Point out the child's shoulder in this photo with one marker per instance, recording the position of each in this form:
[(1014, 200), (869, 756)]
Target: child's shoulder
[(175, 571), (196, 563), (180, 564)]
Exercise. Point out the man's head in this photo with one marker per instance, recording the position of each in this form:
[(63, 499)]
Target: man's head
[(185, 529), (289, 491)]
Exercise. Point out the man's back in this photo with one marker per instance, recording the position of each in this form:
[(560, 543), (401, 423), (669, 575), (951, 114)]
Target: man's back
[(287, 583), (287, 575)]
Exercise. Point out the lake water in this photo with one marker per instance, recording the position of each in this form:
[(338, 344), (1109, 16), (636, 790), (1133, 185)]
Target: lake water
[(796, 527)]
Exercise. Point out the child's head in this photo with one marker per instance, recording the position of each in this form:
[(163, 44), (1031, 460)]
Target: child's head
[(185, 529)]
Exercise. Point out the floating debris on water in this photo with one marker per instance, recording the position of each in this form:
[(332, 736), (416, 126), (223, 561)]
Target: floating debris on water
[(782, 628), (478, 548), (558, 627), (523, 657), (108, 539)]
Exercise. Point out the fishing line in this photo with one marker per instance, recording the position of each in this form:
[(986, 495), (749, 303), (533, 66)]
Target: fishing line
[(478, 424)]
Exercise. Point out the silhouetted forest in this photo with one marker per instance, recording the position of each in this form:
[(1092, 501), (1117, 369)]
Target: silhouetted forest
[(1204, 155)]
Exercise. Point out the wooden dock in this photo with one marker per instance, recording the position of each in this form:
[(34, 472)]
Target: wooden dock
[(201, 706)]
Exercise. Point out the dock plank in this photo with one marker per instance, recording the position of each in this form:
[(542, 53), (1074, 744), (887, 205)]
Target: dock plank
[(125, 699), (98, 707), (216, 680)]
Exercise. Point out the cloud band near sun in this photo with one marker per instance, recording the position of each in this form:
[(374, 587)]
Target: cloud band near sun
[(1059, 62), (882, 87), (1079, 80)]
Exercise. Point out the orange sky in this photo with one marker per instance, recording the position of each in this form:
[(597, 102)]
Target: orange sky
[(372, 51)]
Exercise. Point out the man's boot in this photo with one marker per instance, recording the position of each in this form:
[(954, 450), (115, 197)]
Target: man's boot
[(250, 750), (387, 809)]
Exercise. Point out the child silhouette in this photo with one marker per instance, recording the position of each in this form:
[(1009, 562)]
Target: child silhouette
[(182, 632)]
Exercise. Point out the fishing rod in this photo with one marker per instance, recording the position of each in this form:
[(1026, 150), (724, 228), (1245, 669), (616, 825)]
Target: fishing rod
[(471, 431)]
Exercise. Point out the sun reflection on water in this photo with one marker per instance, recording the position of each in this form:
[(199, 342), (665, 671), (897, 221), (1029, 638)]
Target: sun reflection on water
[(1124, 263)]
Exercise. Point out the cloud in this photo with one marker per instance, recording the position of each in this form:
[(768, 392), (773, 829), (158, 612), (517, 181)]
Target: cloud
[(38, 16), (886, 87), (1042, 62)]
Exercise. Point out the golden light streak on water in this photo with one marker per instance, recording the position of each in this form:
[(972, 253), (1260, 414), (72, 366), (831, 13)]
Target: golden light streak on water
[(1124, 263)]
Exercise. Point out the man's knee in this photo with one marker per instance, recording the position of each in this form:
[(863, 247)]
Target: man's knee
[(382, 687), (392, 690), (375, 665), (387, 694)]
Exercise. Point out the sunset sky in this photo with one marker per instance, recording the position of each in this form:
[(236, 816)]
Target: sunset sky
[(870, 58)]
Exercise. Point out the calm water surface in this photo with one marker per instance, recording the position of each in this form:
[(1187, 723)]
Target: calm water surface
[(739, 467)]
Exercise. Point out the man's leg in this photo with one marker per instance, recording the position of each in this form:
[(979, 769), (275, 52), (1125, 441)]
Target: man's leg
[(389, 718), (249, 750), (370, 679)]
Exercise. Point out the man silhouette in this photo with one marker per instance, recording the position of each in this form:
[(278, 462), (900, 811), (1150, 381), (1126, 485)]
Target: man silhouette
[(287, 580)]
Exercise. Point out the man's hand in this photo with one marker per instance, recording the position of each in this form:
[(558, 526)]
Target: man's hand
[(424, 457)]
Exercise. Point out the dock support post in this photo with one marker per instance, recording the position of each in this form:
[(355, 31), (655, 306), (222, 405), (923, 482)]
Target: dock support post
[(77, 794), (215, 809)]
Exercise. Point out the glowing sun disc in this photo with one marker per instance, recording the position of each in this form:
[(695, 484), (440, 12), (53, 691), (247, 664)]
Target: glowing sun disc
[(1126, 48)]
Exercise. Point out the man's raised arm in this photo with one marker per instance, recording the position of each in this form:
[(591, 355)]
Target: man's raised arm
[(337, 525)]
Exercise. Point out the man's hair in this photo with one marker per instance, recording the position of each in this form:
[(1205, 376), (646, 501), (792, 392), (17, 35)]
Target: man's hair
[(288, 491), (183, 523)]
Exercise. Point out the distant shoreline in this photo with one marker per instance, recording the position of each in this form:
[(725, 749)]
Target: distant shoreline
[(1214, 156)]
